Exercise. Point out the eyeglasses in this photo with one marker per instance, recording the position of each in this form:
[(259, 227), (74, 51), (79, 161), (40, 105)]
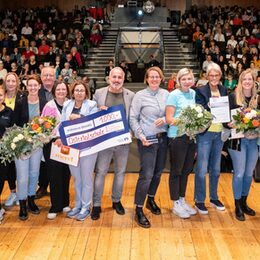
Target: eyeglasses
[(79, 90), (48, 75), (214, 76), (154, 77)]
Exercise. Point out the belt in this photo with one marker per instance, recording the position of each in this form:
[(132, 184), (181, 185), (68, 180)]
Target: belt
[(159, 135)]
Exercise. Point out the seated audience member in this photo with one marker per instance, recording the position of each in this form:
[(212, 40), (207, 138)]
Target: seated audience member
[(230, 83)]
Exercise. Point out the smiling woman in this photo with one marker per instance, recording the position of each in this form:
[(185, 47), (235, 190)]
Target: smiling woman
[(79, 106), (147, 120), (28, 169)]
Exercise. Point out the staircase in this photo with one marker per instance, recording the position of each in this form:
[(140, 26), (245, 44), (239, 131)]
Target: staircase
[(98, 58), (177, 55)]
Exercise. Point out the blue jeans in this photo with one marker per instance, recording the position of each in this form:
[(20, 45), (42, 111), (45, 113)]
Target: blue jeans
[(152, 159), (83, 180), (244, 163), (27, 174), (120, 156), (209, 147)]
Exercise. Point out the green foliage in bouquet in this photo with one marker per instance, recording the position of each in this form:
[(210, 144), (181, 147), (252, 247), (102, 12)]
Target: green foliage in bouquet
[(193, 120)]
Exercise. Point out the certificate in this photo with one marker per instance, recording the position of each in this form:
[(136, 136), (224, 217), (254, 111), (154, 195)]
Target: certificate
[(219, 108)]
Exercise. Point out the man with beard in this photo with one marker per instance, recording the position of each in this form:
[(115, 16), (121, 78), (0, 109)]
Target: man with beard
[(112, 95)]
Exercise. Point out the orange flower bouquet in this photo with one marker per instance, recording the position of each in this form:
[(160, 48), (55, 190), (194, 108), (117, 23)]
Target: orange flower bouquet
[(247, 121), (42, 127)]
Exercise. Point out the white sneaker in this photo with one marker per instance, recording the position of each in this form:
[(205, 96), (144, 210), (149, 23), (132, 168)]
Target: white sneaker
[(66, 209), (179, 210), (187, 207), (52, 215), (11, 199)]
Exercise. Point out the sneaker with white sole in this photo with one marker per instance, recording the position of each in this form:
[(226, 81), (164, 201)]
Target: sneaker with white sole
[(73, 213), (187, 207), (217, 204), (200, 206), (84, 213), (179, 210), (11, 199), (66, 209), (51, 216), (2, 212)]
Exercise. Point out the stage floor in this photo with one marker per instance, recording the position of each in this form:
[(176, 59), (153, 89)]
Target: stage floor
[(215, 236)]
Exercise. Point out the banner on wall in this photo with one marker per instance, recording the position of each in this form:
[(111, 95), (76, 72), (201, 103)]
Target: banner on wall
[(96, 132)]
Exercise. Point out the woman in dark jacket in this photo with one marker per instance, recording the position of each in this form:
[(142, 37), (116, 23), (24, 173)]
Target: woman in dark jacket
[(28, 169)]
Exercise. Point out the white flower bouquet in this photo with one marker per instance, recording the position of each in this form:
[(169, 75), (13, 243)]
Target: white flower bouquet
[(17, 142), (193, 120)]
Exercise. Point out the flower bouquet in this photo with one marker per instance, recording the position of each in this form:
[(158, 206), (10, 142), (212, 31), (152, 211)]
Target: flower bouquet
[(18, 143), (193, 120), (42, 127), (247, 121)]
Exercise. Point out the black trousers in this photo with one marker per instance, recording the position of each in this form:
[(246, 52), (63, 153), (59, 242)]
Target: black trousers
[(3, 172), (11, 175), (59, 177), (152, 160), (182, 152)]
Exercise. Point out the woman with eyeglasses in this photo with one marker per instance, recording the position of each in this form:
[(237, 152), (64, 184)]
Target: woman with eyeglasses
[(80, 105), (209, 144), (147, 120)]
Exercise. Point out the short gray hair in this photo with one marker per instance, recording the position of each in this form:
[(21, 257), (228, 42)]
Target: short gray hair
[(214, 66)]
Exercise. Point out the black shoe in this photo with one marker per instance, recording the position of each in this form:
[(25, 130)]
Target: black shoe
[(41, 192), (95, 213), (151, 205), (32, 206), (245, 207), (238, 211), (119, 208), (141, 219), (23, 214)]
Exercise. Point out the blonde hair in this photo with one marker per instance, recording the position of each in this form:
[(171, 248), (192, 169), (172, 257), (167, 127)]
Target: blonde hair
[(240, 97), (16, 79), (153, 69), (181, 73)]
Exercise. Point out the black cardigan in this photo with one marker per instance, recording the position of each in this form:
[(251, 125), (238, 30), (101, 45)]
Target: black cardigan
[(21, 110)]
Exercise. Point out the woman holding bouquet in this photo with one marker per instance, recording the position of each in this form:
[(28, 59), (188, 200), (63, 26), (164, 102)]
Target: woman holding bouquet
[(59, 172), (244, 151), (6, 118), (147, 120), (13, 94), (27, 169), (77, 107), (182, 148), (209, 144)]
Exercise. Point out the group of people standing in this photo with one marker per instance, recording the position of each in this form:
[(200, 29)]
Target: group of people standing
[(152, 114)]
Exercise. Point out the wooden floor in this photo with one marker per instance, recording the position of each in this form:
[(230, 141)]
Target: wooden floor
[(215, 236)]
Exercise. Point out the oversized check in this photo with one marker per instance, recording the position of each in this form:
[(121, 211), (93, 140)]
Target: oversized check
[(96, 132)]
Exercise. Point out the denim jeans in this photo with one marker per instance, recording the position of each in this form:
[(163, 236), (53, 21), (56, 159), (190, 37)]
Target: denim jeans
[(244, 163), (152, 160), (120, 156), (27, 174), (209, 147), (182, 152), (83, 180)]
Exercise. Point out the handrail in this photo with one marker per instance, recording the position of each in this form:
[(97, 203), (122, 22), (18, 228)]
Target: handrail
[(161, 44)]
